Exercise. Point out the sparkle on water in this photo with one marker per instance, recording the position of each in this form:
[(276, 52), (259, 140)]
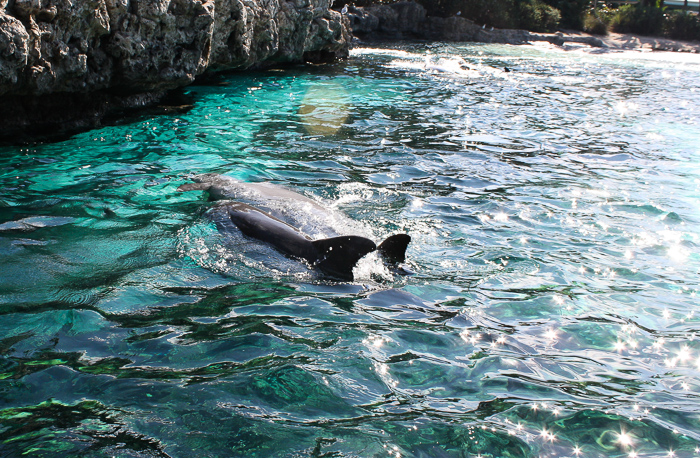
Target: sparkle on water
[(554, 211)]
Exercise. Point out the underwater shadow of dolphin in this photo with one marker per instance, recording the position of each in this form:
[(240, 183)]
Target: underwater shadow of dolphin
[(335, 256)]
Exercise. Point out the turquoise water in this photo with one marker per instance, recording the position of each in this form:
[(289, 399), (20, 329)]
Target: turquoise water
[(553, 310)]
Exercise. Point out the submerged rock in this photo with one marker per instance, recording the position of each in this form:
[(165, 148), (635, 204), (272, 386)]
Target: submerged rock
[(66, 63)]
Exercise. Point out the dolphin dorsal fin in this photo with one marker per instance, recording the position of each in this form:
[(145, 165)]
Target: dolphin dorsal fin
[(338, 255), (393, 249)]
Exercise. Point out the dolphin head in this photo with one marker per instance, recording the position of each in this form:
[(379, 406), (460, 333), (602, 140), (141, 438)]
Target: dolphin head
[(214, 183)]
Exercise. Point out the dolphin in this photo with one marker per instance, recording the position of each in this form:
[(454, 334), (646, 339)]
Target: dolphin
[(334, 256), (296, 209), (222, 187), (303, 213)]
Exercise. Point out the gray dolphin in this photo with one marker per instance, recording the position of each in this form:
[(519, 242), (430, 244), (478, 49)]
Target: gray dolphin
[(222, 187), (334, 256)]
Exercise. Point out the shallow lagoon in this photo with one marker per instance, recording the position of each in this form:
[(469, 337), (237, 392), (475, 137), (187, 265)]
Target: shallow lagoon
[(553, 310)]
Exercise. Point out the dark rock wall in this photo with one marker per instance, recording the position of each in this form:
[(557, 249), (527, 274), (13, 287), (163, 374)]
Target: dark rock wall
[(408, 19), (128, 52)]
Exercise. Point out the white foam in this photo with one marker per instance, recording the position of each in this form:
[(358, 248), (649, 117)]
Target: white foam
[(456, 66), (639, 54), (382, 51)]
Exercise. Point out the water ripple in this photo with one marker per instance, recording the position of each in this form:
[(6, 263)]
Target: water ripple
[(553, 309)]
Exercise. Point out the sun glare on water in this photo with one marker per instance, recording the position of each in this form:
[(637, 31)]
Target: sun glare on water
[(324, 108)]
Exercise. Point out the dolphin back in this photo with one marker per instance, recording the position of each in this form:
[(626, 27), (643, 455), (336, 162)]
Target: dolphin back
[(337, 256), (334, 256)]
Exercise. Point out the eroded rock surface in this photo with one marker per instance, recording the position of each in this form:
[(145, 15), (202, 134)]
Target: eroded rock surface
[(98, 54)]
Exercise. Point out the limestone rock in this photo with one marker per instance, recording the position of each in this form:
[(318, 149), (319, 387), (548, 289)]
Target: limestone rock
[(155, 45), (395, 19), (402, 17), (132, 47), (453, 28), (14, 50), (310, 26), (362, 22), (245, 34)]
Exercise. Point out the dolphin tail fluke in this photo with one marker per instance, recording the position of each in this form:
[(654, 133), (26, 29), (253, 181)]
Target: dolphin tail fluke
[(393, 249), (338, 255)]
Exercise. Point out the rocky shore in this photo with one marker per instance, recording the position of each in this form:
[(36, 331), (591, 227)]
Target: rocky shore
[(64, 65), (409, 20)]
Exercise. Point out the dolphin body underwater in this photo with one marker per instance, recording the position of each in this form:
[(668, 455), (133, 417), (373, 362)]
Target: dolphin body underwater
[(334, 256)]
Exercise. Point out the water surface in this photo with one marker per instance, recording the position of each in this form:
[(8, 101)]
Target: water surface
[(553, 311)]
